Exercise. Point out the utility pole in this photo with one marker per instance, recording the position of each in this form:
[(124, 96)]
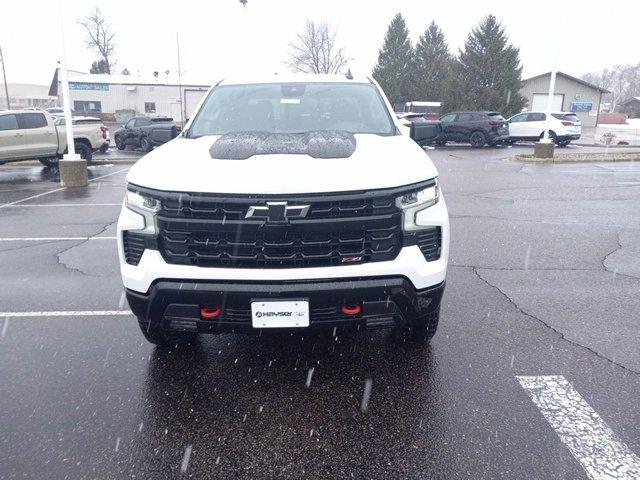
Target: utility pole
[(4, 76), (182, 113)]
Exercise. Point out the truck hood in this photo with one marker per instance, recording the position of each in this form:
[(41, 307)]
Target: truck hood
[(185, 165)]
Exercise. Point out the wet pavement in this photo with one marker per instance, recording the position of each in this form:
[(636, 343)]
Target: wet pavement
[(543, 281)]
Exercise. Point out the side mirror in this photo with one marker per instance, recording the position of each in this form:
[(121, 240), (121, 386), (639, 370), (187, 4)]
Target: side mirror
[(423, 132)]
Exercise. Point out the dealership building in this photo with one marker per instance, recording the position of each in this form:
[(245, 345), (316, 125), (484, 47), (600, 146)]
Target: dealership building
[(571, 94), (116, 98)]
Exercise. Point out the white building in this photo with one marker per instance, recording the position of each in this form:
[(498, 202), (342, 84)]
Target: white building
[(26, 95), (119, 97)]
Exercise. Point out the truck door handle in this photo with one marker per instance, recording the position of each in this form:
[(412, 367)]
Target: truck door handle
[(17, 135)]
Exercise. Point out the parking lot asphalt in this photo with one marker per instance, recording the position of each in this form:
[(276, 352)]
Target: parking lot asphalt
[(534, 372)]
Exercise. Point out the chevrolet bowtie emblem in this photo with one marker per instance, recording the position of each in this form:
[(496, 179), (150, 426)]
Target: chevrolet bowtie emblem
[(277, 212)]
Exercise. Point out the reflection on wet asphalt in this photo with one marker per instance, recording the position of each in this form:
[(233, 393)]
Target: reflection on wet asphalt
[(87, 397)]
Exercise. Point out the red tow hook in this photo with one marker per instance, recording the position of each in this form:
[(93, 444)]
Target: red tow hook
[(210, 313), (354, 309)]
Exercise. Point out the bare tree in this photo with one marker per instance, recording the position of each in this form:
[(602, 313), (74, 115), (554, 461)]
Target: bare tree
[(622, 80), (315, 50), (100, 37)]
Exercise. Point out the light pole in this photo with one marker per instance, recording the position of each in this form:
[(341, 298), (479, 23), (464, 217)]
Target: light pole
[(182, 106), (545, 148), (4, 76), (73, 169)]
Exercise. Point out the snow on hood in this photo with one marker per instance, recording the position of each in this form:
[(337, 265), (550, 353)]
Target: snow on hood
[(318, 144), (186, 165)]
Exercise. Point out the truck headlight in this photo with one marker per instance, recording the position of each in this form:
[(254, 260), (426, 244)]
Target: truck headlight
[(413, 202), (145, 206), (140, 201)]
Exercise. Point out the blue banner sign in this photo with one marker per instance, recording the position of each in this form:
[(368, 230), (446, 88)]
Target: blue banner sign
[(581, 106), (88, 86)]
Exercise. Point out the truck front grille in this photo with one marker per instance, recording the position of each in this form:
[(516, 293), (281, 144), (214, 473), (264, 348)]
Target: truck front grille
[(209, 230), (255, 246)]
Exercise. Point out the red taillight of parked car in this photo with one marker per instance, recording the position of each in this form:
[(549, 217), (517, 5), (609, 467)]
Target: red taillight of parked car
[(105, 131), (568, 124)]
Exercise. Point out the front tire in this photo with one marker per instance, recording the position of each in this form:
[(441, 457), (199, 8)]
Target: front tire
[(477, 140), (104, 148), (120, 145), (424, 329), (145, 145), (158, 336), (49, 162)]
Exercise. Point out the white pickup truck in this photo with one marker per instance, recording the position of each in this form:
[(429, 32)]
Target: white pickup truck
[(289, 201), (32, 135)]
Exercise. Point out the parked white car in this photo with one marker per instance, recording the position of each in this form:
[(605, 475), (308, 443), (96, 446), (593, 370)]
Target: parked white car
[(564, 127)]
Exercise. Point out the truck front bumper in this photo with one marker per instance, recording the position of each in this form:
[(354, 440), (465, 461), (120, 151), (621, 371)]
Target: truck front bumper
[(385, 302)]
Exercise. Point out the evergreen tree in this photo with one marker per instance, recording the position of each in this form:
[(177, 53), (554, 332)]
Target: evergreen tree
[(394, 70), (432, 65), (100, 66), (487, 73)]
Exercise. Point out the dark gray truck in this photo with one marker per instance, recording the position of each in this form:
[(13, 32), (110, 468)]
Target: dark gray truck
[(146, 132)]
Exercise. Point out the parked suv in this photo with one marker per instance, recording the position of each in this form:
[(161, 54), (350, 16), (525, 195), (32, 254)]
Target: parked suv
[(291, 201), (477, 128), (146, 132), (563, 127)]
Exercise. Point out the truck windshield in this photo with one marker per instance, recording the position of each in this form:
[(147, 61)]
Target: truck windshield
[(293, 108)]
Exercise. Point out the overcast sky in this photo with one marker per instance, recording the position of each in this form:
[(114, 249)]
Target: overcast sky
[(219, 39)]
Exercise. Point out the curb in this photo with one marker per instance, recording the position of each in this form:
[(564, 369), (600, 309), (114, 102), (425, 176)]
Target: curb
[(580, 157)]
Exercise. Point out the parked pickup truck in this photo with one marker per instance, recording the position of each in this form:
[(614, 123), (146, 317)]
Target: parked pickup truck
[(146, 132), (31, 134), (289, 202)]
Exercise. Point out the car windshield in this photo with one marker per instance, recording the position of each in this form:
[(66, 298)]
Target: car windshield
[(293, 108)]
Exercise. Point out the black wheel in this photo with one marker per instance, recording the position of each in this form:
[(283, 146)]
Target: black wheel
[(120, 145), (552, 137), (441, 143), (145, 145), (49, 162), (424, 329), (84, 151), (477, 139), (156, 335), (104, 148), (564, 143)]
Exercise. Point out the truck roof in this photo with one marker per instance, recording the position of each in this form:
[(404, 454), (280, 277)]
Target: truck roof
[(24, 110), (293, 78)]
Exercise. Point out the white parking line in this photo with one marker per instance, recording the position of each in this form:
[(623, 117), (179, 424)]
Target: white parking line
[(72, 313), (600, 452), (51, 239), (5, 205)]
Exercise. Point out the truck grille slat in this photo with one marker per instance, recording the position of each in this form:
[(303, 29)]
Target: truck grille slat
[(134, 245)]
